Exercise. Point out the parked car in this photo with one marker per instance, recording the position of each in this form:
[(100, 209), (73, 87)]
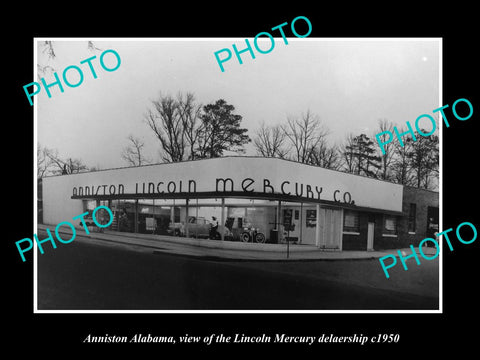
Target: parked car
[(197, 227), (243, 229), (90, 224)]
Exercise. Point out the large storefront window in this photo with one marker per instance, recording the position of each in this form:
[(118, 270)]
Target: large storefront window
[(89, 205), (101, 215), (144, 216), (237, 219), (123, 215), (154, 216), (250, 223)]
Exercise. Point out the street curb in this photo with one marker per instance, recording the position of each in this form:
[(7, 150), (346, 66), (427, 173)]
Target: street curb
[(199, 243), (157, 250), (225, 245), (240, 259), (273, 255)]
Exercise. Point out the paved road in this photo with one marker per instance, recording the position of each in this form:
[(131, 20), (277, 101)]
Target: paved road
[(103, 276)]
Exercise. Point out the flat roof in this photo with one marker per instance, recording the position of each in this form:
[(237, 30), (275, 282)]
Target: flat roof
[(226, 157)]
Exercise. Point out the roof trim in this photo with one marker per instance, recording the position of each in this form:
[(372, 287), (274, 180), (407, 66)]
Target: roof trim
[(227, 157)]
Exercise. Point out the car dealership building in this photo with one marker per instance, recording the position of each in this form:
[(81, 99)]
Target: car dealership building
[(282, 199)]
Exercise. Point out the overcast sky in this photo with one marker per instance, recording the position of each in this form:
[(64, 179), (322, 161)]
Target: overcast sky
[(349, 84)]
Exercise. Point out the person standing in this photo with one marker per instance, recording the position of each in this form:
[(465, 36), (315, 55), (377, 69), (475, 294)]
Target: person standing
[(214, 229)]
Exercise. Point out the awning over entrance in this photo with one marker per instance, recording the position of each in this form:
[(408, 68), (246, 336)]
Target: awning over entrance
[(233, 194)]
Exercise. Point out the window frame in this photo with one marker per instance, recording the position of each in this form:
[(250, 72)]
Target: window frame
[(387, 232), (351, 229)]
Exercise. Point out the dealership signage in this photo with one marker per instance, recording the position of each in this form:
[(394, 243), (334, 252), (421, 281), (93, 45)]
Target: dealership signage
[(222, 185), (231, 176)]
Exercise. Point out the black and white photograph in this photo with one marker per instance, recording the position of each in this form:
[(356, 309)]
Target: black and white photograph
[(242, 187), (221, 181)]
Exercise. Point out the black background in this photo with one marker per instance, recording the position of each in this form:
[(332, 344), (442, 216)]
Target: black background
[(456, 329)]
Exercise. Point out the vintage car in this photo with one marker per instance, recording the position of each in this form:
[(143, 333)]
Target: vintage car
[(243, 229), (198, 227)]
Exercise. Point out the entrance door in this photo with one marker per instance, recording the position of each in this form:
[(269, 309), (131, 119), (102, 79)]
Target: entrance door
[(329, 228), (370, 233), (331, 236)]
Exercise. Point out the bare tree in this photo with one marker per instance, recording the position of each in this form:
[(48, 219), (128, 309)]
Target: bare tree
[(400, 166), (132, 153), (91, 46), (304, 134), (269, 141), (65, 166), (187, 130), (165, 121), (348, 158), (388, 149), (44, 164), (189, 113), (325, 156), (74, 166), (44, 70), (95, 168), (424, 159), (47, 48), (49, 162)]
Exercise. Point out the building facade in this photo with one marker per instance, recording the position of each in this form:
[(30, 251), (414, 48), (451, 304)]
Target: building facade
[(280, 199), (419, 220)]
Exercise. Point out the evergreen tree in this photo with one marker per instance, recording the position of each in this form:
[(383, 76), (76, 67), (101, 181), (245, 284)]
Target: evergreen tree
[(362, 154), (221, 131)]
